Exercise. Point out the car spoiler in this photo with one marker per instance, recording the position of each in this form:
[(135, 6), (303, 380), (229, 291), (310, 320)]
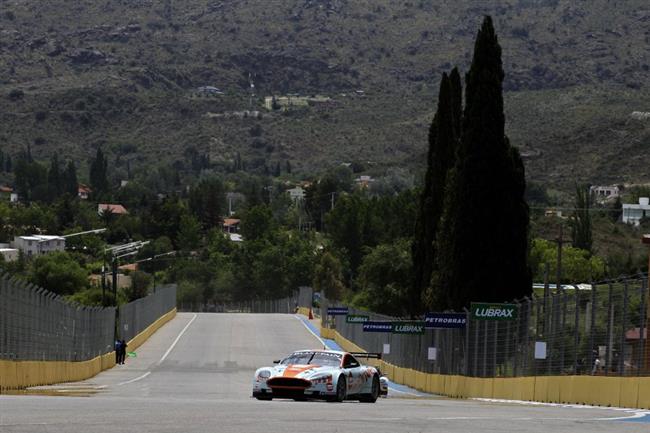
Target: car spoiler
[(367, 355)]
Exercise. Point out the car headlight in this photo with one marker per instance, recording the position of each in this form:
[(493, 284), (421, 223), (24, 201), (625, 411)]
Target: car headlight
[(263, 375), (321, 379)]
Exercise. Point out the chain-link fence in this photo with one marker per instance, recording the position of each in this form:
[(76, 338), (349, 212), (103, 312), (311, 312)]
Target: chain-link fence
[(284, 306), (38, 325), (136, 316), (598, 329)]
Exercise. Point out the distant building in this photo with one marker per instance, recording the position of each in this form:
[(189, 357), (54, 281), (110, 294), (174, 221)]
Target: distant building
[(231, 225), (208, 91), (634, 213), (290, 101), (116, 209), (83, 191), (7, 194), (35, 245), (364, 181), (604, 193), (9, 254), (296, 194)]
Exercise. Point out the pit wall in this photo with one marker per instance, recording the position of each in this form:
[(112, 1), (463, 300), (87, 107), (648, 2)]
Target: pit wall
[(23, 374), (629, 392)]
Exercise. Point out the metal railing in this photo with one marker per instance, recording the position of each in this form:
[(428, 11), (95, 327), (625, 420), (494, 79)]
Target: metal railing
[(38, 325), (600, 330)]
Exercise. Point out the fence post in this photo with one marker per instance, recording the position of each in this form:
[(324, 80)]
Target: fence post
[(621, 354), (576, 333), (610, 331), (592, 327)]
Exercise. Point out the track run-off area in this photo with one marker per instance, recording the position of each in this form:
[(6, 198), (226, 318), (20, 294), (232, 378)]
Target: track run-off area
[(195, 375)]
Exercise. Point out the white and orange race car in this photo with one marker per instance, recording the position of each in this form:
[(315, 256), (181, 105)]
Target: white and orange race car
[(321, 374)]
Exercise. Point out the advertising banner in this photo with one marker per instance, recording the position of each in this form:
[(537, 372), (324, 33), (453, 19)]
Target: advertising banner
[(377, 327), (337, 311), (408, 328), (445, 320), (356, 318), (484, 311)]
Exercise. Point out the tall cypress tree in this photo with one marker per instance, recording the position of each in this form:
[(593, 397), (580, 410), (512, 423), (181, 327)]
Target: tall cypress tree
[(70, 176), (98, 173), (581, 221), (443, 141), (483, 239), (54, 178)]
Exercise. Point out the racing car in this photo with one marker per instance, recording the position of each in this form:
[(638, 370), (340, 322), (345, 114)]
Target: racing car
[(321, 374)]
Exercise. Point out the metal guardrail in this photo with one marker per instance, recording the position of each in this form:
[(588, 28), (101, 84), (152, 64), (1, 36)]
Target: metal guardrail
[(38, 325), (601, 331)]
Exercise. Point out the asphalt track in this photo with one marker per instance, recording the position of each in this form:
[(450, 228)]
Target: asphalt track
[(194, 375)]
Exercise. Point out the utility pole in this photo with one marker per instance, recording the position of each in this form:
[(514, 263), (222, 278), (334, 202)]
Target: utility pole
[(332, 208)]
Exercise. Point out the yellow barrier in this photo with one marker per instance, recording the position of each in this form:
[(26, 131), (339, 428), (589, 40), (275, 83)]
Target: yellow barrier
[(23, 374), (631, 392)]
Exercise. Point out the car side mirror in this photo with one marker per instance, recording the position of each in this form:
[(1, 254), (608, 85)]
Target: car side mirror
[(277, 361)]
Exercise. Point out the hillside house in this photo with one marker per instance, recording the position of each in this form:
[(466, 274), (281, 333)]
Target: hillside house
[(231, 225), (604, 193), (35, 245), (634, 213), (83, 191), (9, 254), (296, 194), (116, 209), (7, 194), (364, 181)]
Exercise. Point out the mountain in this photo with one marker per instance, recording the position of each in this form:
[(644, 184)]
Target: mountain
[(131, 76)]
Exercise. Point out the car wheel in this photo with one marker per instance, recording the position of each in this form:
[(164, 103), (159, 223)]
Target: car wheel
[(374, 392), (341, 390)]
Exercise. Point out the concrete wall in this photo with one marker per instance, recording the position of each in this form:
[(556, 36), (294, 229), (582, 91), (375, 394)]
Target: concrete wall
[(629, 392), (23, 374)]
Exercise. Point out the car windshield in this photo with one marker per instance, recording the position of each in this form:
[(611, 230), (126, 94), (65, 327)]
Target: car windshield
[(315, 358)]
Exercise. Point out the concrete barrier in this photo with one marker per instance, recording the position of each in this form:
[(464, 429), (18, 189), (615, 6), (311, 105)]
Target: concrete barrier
[(24, 374), (630, 392)]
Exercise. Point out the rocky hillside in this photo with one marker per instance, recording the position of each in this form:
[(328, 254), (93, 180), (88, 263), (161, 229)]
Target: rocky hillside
[(130, 74)]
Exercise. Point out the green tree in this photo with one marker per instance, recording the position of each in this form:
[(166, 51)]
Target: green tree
[(140, 283), (71, 185), (443, 141), (257, 223), (189, 233), (58, 272), (578, 266), (348, 226), (328, 278), (483, 239), (581, 220), (99, 173), (54, 179), (206, 201), (384, 278)]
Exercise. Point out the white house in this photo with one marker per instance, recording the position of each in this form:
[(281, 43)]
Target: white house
[(35, 245), (603, 193), (633, 213), (9, 254), (296, 193)]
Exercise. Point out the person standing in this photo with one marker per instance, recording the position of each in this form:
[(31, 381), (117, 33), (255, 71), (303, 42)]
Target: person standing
[(118, 350), (123, 347)]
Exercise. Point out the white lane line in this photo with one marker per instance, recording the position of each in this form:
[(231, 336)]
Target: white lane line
[(312, 332), (632, 413), (393, 389), (176, 341), (134, 380), (164, 356)]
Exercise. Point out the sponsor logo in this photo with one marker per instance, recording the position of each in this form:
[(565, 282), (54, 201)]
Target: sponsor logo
[(408, 327), (377, 327), (337, 311), (494, 311), (356, 318), (445, 320)]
